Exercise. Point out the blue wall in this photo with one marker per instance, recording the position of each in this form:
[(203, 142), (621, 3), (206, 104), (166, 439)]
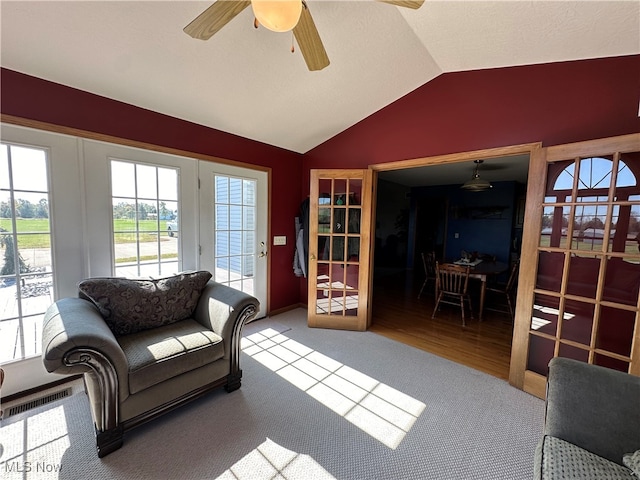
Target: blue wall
[(480, 227)]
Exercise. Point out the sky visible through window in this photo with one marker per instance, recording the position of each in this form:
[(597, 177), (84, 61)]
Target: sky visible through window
[(595, 173)]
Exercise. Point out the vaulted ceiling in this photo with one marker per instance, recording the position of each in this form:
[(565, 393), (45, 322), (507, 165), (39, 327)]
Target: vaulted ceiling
[(245, 81)]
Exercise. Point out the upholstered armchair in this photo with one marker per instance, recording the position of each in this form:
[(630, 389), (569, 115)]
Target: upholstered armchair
[(592, 423), (146, 346)]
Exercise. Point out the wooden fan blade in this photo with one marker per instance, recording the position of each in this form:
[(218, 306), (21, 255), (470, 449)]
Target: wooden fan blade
[(309, 41), (209, 22), (415, 4)]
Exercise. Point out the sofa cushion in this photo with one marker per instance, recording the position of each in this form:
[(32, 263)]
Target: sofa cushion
[(161, 353), (632, 460), (131, 305), (561, 459)]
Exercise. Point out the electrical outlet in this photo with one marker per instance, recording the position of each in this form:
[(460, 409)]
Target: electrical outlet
[(456, 235), (280, 240)]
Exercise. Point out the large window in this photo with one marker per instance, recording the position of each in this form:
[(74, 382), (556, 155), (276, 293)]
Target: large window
[(26, 273), (73, 208), (145, 219)]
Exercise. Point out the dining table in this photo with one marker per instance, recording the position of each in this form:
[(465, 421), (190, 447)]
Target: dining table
[(482, 271)]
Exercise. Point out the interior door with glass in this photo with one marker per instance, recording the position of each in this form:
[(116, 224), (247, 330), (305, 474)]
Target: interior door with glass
[(580, 271), (340, 249), (234, 218)]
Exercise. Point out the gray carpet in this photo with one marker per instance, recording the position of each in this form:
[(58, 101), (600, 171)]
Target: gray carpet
[(442, 420)]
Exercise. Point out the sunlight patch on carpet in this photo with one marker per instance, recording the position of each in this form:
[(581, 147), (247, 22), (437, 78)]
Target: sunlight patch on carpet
[(271, 460), (30, 451), (379, 410)]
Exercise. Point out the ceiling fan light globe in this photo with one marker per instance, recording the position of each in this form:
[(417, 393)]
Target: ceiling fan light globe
[(277, 15)]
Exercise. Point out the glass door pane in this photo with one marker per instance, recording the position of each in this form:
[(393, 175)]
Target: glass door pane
[(26, 266), (235, 225), (145, 205)]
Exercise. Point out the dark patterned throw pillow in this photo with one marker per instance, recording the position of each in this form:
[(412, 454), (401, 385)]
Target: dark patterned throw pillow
[(130, 306)]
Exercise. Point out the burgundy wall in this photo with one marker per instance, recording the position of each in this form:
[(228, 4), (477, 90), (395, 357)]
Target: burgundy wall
[(552, 103), (457, 112), (36, 99)]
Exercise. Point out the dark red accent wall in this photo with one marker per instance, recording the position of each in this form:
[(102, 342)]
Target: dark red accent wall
[(552, 103), (456, 112), (36, 99)]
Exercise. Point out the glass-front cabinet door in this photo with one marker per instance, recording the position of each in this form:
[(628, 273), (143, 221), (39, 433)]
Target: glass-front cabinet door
[(339, 249), (585, 263)]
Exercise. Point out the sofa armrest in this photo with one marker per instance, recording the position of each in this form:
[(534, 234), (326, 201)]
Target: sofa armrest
[(593, 407), (74, 323), (221, 306), (76, 339), (225, 310)]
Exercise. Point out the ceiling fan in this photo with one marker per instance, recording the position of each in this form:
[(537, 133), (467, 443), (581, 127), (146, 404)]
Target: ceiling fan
[(209, 22)]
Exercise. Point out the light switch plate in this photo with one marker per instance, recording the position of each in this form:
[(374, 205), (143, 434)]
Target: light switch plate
[(280, 240)]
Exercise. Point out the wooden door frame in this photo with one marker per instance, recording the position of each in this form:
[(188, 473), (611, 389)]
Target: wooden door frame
[(532, 219)]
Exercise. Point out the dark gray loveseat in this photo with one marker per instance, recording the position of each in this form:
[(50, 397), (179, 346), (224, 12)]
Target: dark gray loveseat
[(592, 421), (146, 346)]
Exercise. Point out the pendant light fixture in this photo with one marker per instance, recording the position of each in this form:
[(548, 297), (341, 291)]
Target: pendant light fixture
[(476, 184), (277, 15)]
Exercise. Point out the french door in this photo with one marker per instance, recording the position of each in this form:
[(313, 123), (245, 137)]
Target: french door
[(580, 267), (234, 219), (40, 237), (340, 249), (71, 208)]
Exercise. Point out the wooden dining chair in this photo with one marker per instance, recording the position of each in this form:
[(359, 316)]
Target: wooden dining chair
[(504, 293), (452, 282), (429, 266)]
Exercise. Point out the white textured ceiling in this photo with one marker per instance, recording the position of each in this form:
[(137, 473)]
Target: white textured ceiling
[(246, 82)]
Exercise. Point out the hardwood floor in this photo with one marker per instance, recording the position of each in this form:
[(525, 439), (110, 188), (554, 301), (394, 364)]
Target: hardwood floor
[(400, 315)]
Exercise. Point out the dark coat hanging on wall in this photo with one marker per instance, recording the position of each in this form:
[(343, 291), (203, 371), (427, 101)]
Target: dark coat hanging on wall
[(301, 254), (304, 215)]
